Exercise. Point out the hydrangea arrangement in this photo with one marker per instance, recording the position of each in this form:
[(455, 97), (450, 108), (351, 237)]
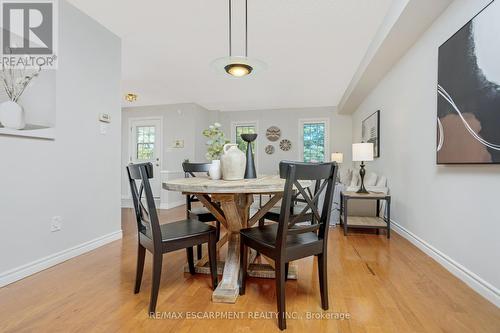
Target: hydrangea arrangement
[(216, 141)]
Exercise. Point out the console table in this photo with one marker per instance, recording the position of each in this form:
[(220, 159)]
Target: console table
[(375, 222)]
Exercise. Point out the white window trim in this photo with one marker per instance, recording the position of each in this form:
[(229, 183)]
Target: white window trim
[(325, 121), (255, 123)]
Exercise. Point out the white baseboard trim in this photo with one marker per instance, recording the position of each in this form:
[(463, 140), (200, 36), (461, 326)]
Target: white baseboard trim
[(168, 205), (484, 288), (127, 202), (36, 266)]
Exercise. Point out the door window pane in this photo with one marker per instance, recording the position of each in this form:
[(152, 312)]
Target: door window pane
[(242, 145), (145, 142), (314, 142)]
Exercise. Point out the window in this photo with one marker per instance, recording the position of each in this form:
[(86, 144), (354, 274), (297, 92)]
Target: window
[(145, 142), (244, 129), (314, 135)]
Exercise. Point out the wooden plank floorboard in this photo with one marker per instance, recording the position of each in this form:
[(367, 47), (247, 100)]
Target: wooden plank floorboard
[(385, 286)]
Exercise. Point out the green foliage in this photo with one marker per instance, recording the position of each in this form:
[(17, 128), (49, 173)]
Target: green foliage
[(216, 141), (314, 142)]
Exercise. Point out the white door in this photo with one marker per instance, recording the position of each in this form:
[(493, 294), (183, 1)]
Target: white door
[(145, 146)]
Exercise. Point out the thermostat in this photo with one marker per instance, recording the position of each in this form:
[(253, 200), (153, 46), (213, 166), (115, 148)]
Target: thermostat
[(104, 117)]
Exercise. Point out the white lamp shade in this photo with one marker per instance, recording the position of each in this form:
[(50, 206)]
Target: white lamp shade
[(338, 157), (362, 152)]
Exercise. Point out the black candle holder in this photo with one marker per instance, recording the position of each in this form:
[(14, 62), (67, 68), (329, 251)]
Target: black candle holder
[(250, 171)]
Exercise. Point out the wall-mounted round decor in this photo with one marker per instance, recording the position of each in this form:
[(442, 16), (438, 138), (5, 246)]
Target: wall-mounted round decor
[(285, 145), (273, 133), (269, 149)]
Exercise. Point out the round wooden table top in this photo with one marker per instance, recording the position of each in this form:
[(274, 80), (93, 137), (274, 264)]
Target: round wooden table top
[(260, 185)]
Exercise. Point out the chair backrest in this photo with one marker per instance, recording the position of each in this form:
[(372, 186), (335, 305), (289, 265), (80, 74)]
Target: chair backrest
[(190, 170), (324, 175), (146, 215)]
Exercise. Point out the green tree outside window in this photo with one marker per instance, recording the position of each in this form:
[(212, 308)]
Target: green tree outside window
[(314, 142)]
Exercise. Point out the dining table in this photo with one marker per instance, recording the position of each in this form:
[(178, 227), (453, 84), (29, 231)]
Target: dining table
[(230, 201)]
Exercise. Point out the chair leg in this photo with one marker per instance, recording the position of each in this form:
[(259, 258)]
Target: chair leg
[(261, 224), (212, 257), (323, 280), (141, 254), (199, 251), (189, 251), (155, 286), (243, 267), (217, 227), (287, 265), (280, 293)]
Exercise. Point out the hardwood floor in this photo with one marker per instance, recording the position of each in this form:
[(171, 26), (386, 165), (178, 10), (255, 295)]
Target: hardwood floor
[(384, 285)]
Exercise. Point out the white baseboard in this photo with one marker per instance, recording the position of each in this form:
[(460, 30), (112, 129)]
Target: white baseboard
[(168, 205), (481, 286), (36, 266), (127, 202)]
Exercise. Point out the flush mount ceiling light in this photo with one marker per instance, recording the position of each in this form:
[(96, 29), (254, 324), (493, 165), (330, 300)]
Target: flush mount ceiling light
[(131, 97), (238, 66)]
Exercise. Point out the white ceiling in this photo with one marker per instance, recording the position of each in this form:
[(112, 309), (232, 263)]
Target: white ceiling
[(312, 49)]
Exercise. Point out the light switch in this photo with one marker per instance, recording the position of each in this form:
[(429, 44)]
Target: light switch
[(104, 128), (179, 144)]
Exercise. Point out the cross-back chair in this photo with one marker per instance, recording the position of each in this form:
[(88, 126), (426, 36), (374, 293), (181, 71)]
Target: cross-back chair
[(288, 240), (201, 214), (159, 239)]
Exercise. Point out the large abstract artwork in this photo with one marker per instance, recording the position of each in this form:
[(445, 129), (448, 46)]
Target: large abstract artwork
[(468, 124)]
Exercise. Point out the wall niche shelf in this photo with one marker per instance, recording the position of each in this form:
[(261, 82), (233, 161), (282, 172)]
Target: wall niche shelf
[(31, 131)]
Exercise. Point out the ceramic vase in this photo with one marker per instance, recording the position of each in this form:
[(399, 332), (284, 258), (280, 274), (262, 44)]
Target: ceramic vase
[(214, 171), (12, 115), (233, 162)]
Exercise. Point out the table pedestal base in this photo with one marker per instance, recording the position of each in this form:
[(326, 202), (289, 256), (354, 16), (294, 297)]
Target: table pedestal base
[(257, 270), (232, 211)]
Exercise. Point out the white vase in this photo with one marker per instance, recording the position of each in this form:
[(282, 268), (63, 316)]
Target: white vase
[(214, 171), (12, 115), (233, 162)]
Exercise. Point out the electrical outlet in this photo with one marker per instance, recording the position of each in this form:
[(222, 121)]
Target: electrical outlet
[(56, 224)]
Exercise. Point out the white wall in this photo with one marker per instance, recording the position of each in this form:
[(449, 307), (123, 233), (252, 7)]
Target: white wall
[(449, 211), (288, 121), (77, 176), (180, 121)]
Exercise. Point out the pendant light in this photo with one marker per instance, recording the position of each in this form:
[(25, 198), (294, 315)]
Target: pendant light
[(235, 68), (238, 66)]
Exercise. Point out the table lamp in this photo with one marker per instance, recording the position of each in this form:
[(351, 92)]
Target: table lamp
[(337, 157), (362, 152)]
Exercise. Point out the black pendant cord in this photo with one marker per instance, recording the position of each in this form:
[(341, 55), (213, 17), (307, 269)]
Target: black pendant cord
[(230, 28), (246, 28)]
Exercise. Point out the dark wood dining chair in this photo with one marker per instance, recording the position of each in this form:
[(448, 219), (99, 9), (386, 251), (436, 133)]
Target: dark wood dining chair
[(198, 213), (298, 203), (291, 239), (159, 239)]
